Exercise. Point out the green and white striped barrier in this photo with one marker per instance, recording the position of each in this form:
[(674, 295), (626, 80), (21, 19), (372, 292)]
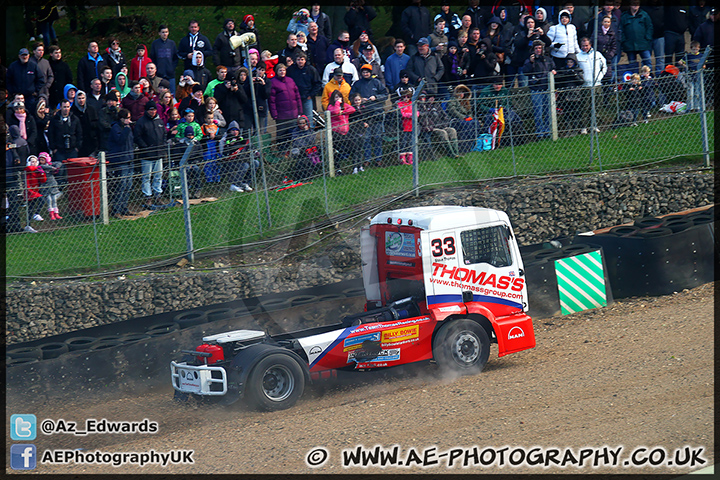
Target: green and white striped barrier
[(581, 282)]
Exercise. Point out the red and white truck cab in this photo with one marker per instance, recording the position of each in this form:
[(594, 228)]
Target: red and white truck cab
[(441, 283)]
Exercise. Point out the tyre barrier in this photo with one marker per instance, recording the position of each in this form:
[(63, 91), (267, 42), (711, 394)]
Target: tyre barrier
[(646, 222), (53, 350), (669, 257), (80, 343), (108, 338), (330, 296), (354, 292), (26, 352), (191, 318), (545, 295), (624, 230), (302, 300)]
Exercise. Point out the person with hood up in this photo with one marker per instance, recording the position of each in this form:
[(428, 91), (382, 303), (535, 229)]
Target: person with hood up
[(564, 39), (201, 74), (69, 93), (121, 84), (89, 124), (483, 64), (522, 47), (234, 148), (196, 102), (115, 58), (223, 52), (299, 21), (570, 96), (542, 20), (495, 32), (185, 85), (452, 20)]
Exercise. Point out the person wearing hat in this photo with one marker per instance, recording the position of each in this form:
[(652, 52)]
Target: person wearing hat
[(164, 53), (34, 178), (108, 115), (337, 82), (184, 89), (189, 120), (452, 20), (368, 57), (299, 21), (403, 84), (522, 47), (373, 94), (425, 65), (120, 157), (223, 52), (24, 77), (193, 42), (20, 117), (194, 172), (149, 135), (705, 32), (248, 26)]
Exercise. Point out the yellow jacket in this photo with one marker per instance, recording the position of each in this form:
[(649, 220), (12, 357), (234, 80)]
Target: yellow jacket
[(331, 86)]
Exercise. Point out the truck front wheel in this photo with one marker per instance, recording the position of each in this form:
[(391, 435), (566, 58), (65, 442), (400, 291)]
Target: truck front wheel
[(461, 346), (275, 383)]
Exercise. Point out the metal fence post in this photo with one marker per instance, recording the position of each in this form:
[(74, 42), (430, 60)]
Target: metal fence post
[(553, 106), (703, 118), (186, 203), (328, 137), (104, 207)]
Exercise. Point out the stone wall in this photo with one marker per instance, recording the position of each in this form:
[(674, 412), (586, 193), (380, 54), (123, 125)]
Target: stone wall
[(540, 210)]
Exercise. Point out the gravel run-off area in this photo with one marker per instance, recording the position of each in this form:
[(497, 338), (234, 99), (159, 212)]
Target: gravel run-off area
[(638, 373)]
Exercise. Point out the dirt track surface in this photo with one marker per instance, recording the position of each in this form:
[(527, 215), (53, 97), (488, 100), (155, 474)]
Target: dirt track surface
[(638, 373)]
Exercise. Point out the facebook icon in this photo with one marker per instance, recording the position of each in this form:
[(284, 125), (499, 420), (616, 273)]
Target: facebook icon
[(23, 457)]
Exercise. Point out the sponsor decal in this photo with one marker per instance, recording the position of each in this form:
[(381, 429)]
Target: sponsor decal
[(454, 308), (375, 326), (400, 244), (397, 344), (515, 332), (473, 277), (385, 355), (315, 350), (350, 341), (400, 334)]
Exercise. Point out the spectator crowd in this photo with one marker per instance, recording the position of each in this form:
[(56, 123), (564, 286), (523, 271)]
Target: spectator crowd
[(131, 105)]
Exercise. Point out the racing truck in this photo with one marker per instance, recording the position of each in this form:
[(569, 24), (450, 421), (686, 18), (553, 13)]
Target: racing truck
[(441, 284)]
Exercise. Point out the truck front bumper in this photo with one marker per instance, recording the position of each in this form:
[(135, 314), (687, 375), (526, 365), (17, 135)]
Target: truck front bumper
[(198, 379)]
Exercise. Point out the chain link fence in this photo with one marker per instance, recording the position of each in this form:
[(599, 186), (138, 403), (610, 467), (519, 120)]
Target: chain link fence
[(229, 191)]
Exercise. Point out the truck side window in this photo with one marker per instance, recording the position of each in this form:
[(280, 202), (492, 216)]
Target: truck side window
[(486, 245)]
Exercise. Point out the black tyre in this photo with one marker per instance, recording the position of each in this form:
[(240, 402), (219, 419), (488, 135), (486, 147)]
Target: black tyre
[(26, 352), (645, 222), (330, 296), (461, 346), (354, 292), (302, 300), (702, 219), (624, 230), (108, 338), (162, 328), (53, 350), (80, 343), (678, 224), (655, 232), (219, 313), (20, 361), (275, 304), (191, 318), (107, 344), (275, 383), (134, 338)]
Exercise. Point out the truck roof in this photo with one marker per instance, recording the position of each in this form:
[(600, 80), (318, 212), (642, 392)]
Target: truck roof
[(440, 217)]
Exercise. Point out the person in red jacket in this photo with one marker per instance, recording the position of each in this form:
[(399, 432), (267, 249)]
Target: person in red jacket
[(34, 177), (340, 123), (138, 64)]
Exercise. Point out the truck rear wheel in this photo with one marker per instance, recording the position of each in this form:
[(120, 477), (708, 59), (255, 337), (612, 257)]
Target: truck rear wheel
[(275, 383), (461, 346)]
